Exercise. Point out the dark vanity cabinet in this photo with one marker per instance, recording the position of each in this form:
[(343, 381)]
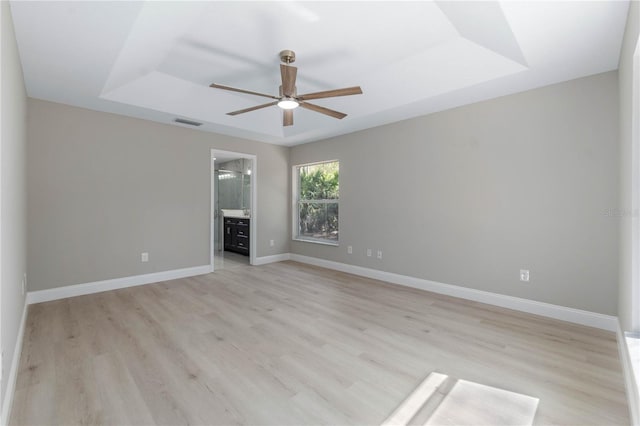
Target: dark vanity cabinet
[(236, 235)]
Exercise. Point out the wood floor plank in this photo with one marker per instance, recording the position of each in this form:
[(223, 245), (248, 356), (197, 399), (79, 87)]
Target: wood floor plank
[(292, 344), (119, 393)]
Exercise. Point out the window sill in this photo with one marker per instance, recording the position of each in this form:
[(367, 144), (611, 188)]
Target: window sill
[(321, 242)]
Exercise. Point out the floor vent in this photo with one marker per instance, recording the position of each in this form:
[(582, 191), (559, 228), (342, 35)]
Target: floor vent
[(187, 122)]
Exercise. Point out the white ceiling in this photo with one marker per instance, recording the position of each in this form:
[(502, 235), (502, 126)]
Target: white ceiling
[(155, 60)]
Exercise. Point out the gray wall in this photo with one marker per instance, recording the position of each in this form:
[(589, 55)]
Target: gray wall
[(13, 199), (472, 195), (102, 188), (628, 152)]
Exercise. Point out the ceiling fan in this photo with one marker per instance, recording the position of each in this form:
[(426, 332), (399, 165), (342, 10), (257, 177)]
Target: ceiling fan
[(288, 98)]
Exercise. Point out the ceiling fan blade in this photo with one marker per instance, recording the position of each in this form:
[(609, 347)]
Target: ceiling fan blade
[(233, 89), (287, 118), (348, 91), (323, 110), (288, 74), (242, 111)]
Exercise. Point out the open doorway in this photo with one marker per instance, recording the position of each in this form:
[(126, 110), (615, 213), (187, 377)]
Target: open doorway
[(233, 209)]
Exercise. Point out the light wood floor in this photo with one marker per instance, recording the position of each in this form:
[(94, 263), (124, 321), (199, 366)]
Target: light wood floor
[(290, 344), (229, 259)]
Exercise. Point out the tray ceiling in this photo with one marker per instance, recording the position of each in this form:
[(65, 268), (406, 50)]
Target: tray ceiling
[(155, 60)]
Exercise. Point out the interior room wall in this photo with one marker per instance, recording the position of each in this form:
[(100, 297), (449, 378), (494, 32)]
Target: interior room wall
[(471, 195), (13, 195), (103, 188), (629, 155)]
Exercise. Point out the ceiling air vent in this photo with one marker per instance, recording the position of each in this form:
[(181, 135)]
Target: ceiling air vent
[(187, 122)]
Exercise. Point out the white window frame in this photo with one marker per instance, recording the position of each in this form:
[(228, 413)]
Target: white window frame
[(295, 216)]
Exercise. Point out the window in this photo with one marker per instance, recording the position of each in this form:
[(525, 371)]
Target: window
[(316, 192)]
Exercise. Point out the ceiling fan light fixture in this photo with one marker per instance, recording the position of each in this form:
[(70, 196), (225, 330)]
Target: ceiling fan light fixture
[(288, 103), (287, 99)]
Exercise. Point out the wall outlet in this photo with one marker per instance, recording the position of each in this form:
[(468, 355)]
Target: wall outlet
[(24, 283), (272, 243), (379, 254), (144, 257), (368, 252), (524, 275), (349, 249)]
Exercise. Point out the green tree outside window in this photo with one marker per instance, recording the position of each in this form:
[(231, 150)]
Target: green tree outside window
[(318, 199)]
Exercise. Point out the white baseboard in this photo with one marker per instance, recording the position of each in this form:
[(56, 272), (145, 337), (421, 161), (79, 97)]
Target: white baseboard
[(271, 259), (632, 387), (563, 313), (13, 372), (113, 284)]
